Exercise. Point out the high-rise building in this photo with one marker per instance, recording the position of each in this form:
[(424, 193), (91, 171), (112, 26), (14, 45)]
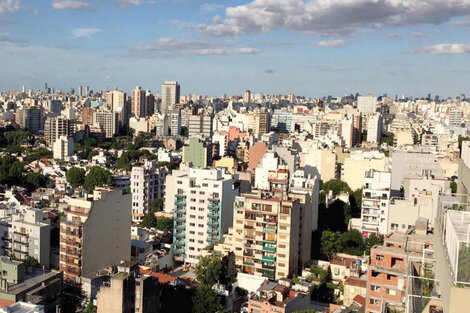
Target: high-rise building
[(366, 104), (200, 125), (115, 99), (63, 148), (56, 127), (31, 118), (175, 122), (55, 107), (197, 152), (108, 121), (95, 233), (88, 116), (375, 202), (202, 202), (455, 117), (138, 105), (147, 184), (374, 128), (247, 97), (266, 234), (170, 95)]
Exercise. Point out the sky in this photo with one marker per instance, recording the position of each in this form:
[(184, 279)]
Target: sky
[(311, 48)]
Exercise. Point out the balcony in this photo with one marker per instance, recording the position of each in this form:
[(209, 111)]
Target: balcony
[(181, 227), (213, 230), (269, 230), (269, 249), (213, 215), (213, 223), (179, 235)]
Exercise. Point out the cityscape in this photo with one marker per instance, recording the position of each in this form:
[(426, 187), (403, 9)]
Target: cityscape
[(259, 156)]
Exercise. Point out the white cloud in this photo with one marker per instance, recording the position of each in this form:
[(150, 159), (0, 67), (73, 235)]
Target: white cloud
[(331, 43), (333, 17), (84, 32), (9, 5), (126, 4), (69, 5), (190, 47), (444, 48)]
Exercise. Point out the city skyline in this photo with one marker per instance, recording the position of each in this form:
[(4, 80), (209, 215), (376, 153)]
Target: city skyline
[(309, 48)]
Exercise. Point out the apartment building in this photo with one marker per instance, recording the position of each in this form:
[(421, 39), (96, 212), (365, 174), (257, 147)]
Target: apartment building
[(170, 95), (30, 118), (202, 202), (386, 279), (28, 235), (129, 293), (63, 148), (197, 152), (108, 121), (266, 234), (56, 127), (358, 163), (94, 233), (200, 125), (375, 203), (175, 122), (147, 184)]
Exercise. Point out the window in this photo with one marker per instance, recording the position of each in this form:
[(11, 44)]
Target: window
[(374, 288), (200, 241), (202, 193), (192, 216), (200, 225), (205, 185), (191, 232), (192, 224), (179, 182), (336, 271), (200, 217), (391, 292)]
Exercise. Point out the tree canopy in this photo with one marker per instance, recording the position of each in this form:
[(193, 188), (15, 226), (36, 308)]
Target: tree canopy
[(206, 300), (149, 220), (75, 177), (96, 177), (336, 186), (208, 270), (165, 223)]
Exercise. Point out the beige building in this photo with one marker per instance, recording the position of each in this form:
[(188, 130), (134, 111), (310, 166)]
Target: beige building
[(94, 233), (265, 235), (63, 148), (358, 163), (318, 161), (127, 293)]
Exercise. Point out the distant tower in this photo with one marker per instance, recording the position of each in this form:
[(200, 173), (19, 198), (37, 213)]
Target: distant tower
[(247, 98), (170, 95)]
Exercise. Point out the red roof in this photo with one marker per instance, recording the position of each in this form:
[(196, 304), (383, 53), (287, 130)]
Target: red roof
[(360, 300), (356, 282), (162, 278)]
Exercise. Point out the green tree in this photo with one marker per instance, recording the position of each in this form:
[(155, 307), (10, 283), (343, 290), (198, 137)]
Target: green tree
[(206, 300), (184, 131), (35, 180), (165, 223), (336, 186), (371, 241), (329, 244), (149, 220), (96, 177), (453, 186), (90, 308), (388, 139), (38, 154), (11, 171), (75, 177), (157, 205), (208, 270), (30, 261), (352, 242)]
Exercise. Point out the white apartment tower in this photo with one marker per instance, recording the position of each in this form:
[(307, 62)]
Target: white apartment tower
[(28, 235), (138, 104), (175, 122), (366, 104), (203, 209), (170, 95), (375, 202), (147, 184), (374, 128), (63, 148)]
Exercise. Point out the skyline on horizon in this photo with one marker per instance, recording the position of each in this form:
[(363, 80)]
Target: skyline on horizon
[(308, 48)]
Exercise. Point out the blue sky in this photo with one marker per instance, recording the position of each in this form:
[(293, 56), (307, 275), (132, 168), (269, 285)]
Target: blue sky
[(311, 48)]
